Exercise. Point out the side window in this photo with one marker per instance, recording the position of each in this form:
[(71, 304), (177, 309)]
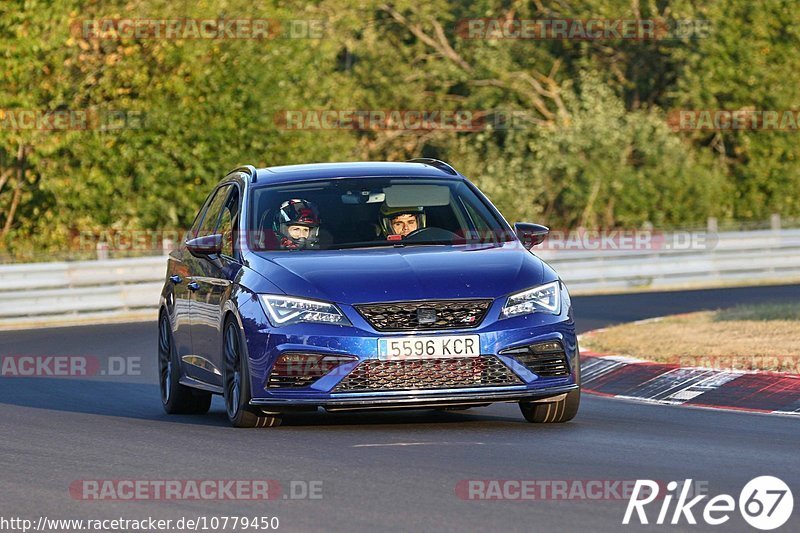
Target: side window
[(228, 223), (211, 217), (192, 233), (478, 221), (477, 216)]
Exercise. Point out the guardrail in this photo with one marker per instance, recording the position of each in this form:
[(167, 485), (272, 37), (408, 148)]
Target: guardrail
[(66, 290), (732, 256), (54, 292)]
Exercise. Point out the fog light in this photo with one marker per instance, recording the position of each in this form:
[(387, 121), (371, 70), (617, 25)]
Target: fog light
[(540, 348), (546, 347), (546, 359), (293, 370)]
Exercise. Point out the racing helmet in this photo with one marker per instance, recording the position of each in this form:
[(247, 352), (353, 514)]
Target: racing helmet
[(297, 212), (388, 213)]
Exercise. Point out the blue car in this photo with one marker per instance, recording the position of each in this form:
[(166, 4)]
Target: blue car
[(368, 285)]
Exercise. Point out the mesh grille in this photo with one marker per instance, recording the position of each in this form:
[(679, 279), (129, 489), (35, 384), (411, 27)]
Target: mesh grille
[(547, 360), (297, 370), (405, 316), (375, 375)]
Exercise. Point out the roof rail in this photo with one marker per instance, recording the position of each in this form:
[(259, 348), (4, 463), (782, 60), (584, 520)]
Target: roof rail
[(441, 165), (250, 170)]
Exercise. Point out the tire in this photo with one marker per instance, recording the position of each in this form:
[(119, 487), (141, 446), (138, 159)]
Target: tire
[(562, 410), (236, 383), (177, 399)]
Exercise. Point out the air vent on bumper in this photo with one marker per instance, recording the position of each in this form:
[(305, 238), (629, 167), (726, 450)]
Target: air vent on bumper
[(295, 370), (449, 373), (545, 359)]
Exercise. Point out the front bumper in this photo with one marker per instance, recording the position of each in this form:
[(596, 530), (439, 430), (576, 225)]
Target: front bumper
[(266, 344), (415, 399)]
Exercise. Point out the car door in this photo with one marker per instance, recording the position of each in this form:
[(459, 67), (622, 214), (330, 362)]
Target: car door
[(214, 276), (196, 363), (179, 271)]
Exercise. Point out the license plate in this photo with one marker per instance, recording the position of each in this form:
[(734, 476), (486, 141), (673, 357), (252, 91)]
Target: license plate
[(429, 347)]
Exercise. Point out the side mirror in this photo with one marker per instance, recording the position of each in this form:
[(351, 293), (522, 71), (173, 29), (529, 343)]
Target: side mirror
[(531, 234), (205, 246)]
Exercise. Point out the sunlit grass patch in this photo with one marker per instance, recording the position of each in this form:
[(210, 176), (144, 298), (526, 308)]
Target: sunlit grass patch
[(761, 337)]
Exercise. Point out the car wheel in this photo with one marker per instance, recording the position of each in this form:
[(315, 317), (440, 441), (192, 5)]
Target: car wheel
[(177, 399), (562, 410), (236, 384)]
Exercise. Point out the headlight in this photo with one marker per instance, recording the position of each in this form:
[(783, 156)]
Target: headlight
[(542, 299), (285, 311)]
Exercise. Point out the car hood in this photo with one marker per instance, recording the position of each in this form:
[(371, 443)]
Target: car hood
[(394, 274)]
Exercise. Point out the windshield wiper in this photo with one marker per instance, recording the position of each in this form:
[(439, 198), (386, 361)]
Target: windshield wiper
[(430, 243), (406, 243), (368, 244), (396, 244)]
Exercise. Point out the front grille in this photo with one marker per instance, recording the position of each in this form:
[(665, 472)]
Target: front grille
[(545, 359), (415, 316), (376, 375)]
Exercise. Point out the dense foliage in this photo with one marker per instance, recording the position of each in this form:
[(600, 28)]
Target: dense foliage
[(589, 143)]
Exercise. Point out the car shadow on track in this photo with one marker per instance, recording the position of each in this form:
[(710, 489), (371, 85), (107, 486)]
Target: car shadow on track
[(141, 401), (399, 418), (105, 398)]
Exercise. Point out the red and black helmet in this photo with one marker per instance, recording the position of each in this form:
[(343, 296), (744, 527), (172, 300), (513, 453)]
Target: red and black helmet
[(297, 212)]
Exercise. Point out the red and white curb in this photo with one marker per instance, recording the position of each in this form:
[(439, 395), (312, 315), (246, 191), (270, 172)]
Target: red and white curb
[(625, 377)]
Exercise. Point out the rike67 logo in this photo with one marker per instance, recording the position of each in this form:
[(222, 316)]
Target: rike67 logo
[(765, 503)]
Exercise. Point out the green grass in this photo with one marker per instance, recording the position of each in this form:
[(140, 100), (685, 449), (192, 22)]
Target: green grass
[(782, 311), (757, 337)]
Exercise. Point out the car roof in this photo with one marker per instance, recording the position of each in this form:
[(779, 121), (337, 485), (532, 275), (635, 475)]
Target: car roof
[(290, 173)]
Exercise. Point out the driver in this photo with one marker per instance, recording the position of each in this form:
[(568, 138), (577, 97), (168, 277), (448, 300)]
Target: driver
[(398, 222), (296, 225)]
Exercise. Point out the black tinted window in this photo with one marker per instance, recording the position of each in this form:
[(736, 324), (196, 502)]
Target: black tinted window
[(362, 212), (227, 222), (212, 215)]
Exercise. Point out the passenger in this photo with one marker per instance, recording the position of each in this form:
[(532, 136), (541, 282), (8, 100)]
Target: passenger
[(296, 224)]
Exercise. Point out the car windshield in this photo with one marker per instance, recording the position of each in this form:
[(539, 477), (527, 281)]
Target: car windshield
[(370, 212)]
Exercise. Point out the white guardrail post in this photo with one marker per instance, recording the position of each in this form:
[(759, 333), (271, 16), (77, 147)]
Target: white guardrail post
[(114, 287)]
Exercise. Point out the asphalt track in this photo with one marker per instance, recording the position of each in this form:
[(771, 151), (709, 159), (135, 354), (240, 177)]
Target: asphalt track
[(395, 471)]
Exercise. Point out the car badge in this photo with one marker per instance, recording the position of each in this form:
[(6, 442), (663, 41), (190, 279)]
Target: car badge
[(426, 316)]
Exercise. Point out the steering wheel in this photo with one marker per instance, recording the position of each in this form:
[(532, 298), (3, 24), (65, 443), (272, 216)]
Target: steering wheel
[(430, 234)]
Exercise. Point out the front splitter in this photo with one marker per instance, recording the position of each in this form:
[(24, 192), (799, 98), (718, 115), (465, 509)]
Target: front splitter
[(412, 400)]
